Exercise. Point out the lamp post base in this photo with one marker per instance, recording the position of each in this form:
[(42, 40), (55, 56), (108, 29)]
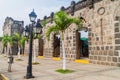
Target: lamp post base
[(29, 73), (28, 77)]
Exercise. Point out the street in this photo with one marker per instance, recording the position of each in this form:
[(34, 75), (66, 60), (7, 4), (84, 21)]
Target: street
[(46, 70)]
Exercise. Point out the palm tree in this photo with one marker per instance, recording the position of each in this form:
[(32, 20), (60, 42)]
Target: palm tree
[(4, 43), (22, 43), (10, 43), (62, 22), (17, 38)]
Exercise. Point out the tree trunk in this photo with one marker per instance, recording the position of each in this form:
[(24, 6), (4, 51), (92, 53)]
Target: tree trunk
[(23, 49), (5, 51), (10, 50), (64, 56), (34, 53), (18, 52)]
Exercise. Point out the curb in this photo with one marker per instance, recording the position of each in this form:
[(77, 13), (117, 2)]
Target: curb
[(56, 58), (3, 77), (41, 57), (82, 61)]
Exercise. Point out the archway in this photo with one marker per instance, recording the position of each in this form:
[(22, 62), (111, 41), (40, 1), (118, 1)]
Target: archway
[(41, 47), (82, 44), (56, 46)]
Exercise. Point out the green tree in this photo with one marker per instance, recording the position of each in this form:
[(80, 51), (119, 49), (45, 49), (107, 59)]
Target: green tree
[(20, 41), (17, 38), (10, 43), (5, 40), (62, 22)]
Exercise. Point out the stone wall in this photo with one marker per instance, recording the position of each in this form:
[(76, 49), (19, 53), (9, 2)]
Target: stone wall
[(36, 47), (26, 50), (48, 44), (102, 36), (103, 23)]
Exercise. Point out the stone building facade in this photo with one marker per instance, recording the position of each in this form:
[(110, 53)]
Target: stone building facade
[(102, 19), (10, 27)]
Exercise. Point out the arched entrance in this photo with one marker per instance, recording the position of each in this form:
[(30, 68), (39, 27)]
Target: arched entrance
[(56, 46), (82, 44), (41, 47)]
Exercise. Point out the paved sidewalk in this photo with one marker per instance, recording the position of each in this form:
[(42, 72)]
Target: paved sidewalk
[(46, 70)]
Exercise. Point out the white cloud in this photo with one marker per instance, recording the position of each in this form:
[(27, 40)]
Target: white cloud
[(19, 9)]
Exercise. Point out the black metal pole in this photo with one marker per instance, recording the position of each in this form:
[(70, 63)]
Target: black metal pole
[(29, 67)]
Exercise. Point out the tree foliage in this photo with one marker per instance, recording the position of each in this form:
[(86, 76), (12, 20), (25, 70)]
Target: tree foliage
[(62, 22)]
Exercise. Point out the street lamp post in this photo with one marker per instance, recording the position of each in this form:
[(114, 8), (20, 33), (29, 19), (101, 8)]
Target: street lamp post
[(29, 32)]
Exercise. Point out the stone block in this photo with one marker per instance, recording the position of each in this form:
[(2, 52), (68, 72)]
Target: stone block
[(102, 48), (90, 61), (89, 34), (95, 57), (100, 53), (118, 64), (117, 47), (103, 63), (114, 59), (110, 53), (113, 64), (98, 48), (108, 64), (118, 40), (91, 57), (89, 38), (116, 24), (109, 59), (97, 38), (94, 62), (119, 59), (116, 53), (117, 18), (116, 29), (105, 53), (104, 59), (99, 58), (117, 35), (107, 47), (89, 43), (111, 47), (98, 62)]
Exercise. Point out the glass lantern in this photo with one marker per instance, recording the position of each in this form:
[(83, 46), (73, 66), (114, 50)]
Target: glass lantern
[(32, 16)]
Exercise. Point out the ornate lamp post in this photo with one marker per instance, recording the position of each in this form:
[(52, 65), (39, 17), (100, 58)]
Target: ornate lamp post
[(29, 32)]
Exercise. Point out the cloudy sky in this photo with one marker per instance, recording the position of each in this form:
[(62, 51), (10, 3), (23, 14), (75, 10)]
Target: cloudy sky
[(19, 9)]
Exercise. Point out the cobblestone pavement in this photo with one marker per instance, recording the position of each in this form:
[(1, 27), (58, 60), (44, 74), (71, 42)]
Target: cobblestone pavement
[(46, 70)]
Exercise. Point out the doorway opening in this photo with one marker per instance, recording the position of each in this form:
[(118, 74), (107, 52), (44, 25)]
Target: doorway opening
[(56, 46), (41, 47), (82, 44)]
